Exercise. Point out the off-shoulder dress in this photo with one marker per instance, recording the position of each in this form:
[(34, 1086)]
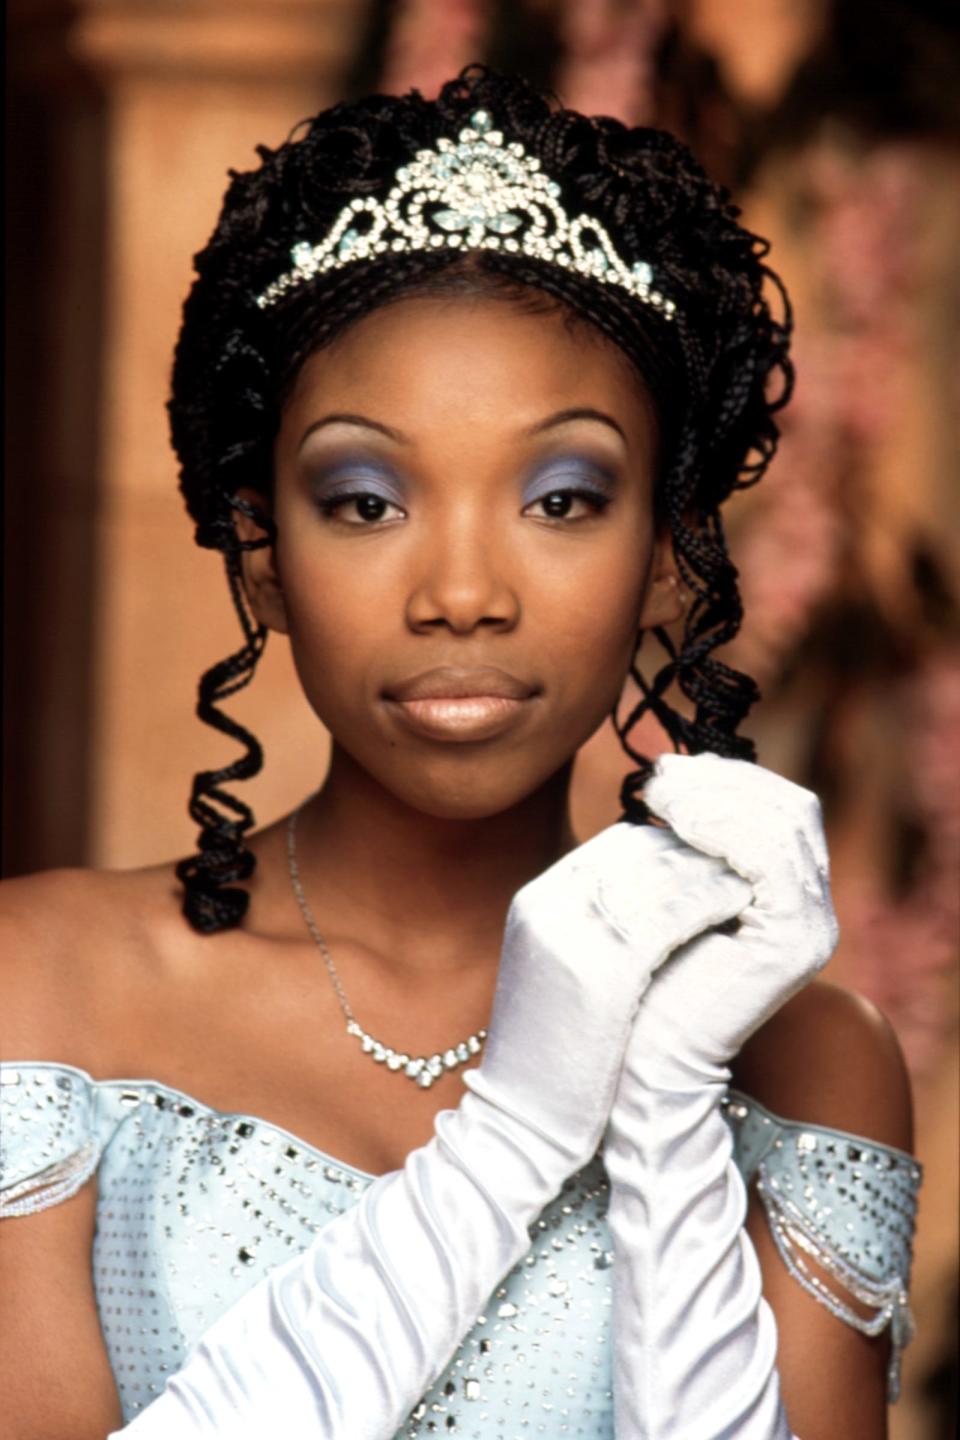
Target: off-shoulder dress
[(194, 1206)]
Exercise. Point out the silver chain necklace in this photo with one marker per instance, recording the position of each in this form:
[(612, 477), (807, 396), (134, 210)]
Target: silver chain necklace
[(423, 1069)]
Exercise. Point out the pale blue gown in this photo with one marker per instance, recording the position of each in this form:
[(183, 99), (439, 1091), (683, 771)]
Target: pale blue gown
[(195, 1206)]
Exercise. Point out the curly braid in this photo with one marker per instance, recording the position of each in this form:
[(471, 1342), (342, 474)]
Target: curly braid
[(708, 374)]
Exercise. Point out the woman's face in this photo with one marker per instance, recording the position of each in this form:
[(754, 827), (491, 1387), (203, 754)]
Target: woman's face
[(465, 552)]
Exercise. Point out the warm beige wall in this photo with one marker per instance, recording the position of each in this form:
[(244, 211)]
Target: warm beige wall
[(162, 612), (180, 93)]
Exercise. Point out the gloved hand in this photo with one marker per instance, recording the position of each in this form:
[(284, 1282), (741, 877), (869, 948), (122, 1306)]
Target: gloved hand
[(695, 1342), (343, 1340)]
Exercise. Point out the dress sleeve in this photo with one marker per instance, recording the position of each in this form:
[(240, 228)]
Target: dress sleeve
[(843, 1201), (49, 1141)]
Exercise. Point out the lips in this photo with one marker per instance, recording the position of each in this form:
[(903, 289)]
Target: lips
[(453, 703), (450, 682)]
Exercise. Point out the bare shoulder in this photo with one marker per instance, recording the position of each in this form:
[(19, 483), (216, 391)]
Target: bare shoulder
[(831, 1057), (74, 943)]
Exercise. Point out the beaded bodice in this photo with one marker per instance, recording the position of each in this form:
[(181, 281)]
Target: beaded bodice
[(194, 1206)]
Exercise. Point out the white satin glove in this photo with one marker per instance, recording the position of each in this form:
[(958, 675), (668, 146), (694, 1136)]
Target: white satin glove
[(343, 1340), (695, 1342)]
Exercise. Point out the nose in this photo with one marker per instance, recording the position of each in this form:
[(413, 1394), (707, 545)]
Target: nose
[(461, 580)]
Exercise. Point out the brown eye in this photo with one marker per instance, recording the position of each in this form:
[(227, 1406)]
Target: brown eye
[(568, 505), (363, 507), (370, 507)]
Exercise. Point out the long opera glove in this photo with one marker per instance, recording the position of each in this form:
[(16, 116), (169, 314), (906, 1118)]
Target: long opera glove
[(343, 1340), (695, 1341)]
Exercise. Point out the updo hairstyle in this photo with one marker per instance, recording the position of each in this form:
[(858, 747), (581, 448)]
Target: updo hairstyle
[(709, 372)]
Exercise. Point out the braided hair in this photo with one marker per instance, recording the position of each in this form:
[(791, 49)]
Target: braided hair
[(708, 372)]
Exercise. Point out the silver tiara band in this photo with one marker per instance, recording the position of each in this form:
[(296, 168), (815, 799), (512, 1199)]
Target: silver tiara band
[(476, 193)]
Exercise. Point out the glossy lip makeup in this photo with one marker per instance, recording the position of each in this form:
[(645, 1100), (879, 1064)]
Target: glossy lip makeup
[(456, 704)]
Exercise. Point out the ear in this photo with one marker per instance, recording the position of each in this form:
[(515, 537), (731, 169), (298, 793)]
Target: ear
[(260, 578), (665, 599)]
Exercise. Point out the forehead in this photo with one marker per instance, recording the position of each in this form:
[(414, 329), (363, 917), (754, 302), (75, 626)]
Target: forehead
[(434, 363)]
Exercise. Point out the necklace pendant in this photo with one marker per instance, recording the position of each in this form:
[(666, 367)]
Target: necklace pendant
[(423, 1070)]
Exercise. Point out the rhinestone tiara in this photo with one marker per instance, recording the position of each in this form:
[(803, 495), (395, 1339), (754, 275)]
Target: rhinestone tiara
[(478, 193)]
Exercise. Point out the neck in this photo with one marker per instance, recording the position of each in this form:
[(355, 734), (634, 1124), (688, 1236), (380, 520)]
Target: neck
[(409, 874)]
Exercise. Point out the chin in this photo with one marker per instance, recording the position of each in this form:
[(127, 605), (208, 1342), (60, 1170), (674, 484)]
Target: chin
[(478, 796), (463, 807)]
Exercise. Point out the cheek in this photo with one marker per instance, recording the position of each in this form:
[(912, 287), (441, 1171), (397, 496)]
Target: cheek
[(593, 609), (337, 623)]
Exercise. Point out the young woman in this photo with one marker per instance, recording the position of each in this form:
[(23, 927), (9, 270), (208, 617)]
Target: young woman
[(431, 1126)]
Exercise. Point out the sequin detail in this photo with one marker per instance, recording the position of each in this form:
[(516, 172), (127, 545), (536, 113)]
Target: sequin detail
[(845, 1203), (48, 1149), (194, 1206), (50, 1185), (539, 1359)]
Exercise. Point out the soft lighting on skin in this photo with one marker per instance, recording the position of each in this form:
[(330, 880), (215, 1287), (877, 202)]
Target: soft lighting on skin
[(463, 483)]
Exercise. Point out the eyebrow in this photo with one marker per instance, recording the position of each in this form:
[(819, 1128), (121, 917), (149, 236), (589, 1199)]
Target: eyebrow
[(581, 412), (562, 417), (342, 418)]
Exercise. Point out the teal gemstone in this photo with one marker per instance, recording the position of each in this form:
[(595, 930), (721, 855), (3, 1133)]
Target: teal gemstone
[(452, 220), (642, 271), (505, 223), (481, 120)]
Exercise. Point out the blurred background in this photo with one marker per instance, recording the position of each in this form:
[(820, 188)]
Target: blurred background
[(836, 124)]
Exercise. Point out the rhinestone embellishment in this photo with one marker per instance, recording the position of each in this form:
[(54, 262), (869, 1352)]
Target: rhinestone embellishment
[(423, 1069), (480, 192), (183, 1189)]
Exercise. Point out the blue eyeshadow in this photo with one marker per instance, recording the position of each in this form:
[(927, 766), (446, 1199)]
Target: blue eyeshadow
[(348, 477), (571, 473)]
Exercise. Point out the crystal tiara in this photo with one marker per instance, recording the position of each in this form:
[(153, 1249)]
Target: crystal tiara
[(480, 193)]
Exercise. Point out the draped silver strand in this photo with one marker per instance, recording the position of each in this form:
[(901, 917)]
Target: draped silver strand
[(422, 1069)]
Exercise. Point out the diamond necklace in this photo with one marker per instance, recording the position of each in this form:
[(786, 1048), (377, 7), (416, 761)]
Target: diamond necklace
[(422, 1069)]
